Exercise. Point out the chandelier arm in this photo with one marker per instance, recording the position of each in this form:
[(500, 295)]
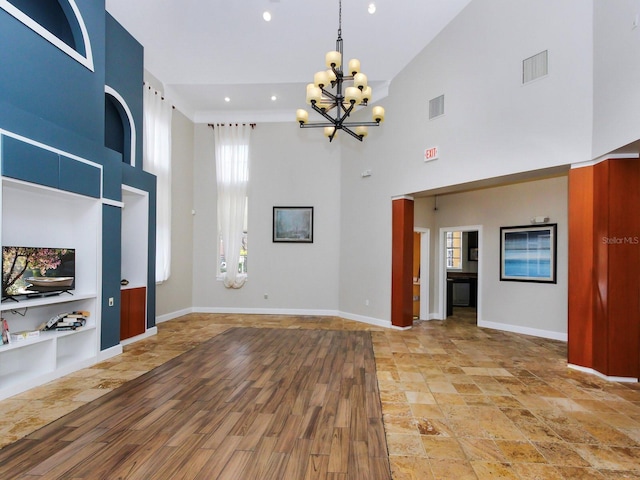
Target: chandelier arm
[(316, 125), (361, 124), (329, 94), (347, 111), (350, 132), (324, 114)]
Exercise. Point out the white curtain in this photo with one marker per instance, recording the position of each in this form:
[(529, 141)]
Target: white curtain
[(157, 160), (232, 174)]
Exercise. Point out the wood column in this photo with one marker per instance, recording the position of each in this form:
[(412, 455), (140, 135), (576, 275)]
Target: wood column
[(402, 263), (604, 261)]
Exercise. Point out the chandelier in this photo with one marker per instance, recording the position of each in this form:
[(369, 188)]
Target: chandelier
[(330, 97)]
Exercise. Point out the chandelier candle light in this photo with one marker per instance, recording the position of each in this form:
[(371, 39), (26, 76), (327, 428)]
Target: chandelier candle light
[(327, 93)]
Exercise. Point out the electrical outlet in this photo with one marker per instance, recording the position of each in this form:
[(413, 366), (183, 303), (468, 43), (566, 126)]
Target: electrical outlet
[(266, 296), (366, 302)]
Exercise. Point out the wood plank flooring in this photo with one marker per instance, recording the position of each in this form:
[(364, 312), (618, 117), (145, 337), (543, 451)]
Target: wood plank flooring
[(249, 403)]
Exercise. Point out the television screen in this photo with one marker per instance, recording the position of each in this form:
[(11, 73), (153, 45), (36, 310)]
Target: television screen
[(33, 271)]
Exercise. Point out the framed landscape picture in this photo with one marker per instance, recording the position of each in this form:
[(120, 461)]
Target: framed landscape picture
[(293, 224), (528, 253)]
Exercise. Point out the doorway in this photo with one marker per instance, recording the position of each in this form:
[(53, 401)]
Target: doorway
[(460, 254), (421, 243)]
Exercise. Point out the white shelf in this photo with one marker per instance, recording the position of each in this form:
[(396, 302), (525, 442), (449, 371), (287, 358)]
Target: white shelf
[(39, 216), (46, 336), (9, 305)]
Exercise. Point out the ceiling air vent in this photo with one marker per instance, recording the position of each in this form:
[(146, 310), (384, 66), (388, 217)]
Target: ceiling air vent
[(436, 107), (535, 67)]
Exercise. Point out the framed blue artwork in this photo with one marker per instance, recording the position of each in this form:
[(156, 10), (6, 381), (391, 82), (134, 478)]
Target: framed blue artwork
[(528, 253)]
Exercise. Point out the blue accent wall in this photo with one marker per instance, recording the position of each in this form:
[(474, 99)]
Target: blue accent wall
[(49, 97), (111, 249), (124, 55), (52, 17), (41, 79)]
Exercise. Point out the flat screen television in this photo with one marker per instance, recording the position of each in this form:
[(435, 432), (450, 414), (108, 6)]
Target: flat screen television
[(37, 271)]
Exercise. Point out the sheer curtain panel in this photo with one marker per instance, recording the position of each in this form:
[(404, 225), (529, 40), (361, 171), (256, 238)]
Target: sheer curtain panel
[(157, 160), (232, 175)]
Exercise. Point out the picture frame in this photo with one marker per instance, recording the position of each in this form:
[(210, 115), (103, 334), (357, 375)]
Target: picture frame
[(293, 224), (528, 253)]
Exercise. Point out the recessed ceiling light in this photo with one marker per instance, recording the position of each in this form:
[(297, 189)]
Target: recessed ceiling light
[(372, 8), (266, 15), (273, 98), (227, 99)]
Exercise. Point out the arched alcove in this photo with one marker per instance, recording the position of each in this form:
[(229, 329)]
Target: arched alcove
[(59, 22), (119, 127)]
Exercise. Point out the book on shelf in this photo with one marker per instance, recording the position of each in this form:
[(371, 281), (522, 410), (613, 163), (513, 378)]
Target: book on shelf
[(67, 321), (24, 335), (74, 323)]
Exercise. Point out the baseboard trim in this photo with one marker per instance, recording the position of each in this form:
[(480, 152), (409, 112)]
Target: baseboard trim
[(535, 332), (108, 353), (602, 375), (170, 316), (149, 333), (276, 311), (368, 320)]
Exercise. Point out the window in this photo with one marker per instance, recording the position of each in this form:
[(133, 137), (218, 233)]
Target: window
[(454, 249), (232, 179), (242, 263)]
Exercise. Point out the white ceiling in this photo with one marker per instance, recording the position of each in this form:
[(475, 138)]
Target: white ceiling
[(204, 50)]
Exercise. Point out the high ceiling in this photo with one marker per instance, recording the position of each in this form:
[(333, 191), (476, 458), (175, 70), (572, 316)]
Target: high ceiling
[(205, 50)]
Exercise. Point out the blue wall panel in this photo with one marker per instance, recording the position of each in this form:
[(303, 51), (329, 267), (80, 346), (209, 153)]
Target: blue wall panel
[(39, 78), (80, 177), (111, 254), (112, 176), (30, 163), (124, 57)]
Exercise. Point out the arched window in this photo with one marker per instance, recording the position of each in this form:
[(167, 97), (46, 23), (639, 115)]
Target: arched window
[(59, 22)]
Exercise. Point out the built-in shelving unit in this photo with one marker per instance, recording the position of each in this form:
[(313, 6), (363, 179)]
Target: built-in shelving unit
[(40, 216)]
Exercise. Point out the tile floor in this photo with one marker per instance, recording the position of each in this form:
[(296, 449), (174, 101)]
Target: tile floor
[(458, 401)]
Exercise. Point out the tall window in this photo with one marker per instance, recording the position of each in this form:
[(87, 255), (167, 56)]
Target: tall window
[(454, 249), (232, 176), (242, 263), (157, 160)]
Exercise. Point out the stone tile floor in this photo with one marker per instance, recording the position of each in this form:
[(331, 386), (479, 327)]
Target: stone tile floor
[(458, 401)]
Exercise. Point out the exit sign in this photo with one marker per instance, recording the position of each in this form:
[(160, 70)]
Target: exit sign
[(431, 154)]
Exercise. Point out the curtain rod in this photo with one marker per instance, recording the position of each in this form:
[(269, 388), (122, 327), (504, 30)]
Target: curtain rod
[(252, 125), (156, 92)]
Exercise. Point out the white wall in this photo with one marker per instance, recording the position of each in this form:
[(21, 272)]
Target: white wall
[(616, 73), (493, 125), (522, 306), (175, 294), (288, 167)]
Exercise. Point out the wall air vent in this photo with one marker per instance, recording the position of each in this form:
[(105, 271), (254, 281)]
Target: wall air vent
[(535, 67), (436, 107)]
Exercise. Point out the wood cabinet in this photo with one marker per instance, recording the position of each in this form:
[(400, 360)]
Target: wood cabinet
[(133, 307)]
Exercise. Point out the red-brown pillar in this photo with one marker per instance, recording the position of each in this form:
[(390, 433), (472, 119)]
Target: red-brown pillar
[(604, 261), (402, 263)]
